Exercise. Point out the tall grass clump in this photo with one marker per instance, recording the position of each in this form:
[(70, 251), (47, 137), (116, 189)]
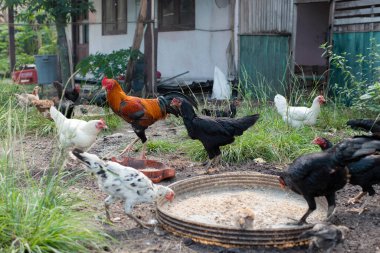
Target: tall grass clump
[(38, 214)]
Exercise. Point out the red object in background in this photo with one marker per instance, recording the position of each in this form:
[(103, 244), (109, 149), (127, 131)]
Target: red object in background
[(25, 76)]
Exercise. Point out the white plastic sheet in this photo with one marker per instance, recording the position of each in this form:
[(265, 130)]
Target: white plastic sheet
[(221, 88)]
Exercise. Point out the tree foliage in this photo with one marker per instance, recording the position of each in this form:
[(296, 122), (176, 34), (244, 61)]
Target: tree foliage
[(60, 13)]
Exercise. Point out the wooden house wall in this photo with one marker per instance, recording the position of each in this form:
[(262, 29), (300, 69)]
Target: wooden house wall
[(356, 16)]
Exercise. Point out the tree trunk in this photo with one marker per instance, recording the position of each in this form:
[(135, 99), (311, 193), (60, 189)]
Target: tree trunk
[(11, 30), (139, 32), (63, 51), (150, 52)]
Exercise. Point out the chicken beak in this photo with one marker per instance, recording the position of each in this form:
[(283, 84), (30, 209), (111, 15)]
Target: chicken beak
[(170, 196)]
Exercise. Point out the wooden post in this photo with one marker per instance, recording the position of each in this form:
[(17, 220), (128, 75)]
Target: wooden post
[(139, 32), (11, 30), (150, 52), (330, 42)]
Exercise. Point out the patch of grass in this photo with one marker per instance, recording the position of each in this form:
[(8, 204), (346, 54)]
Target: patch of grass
[(112, 120), (162, 146), (38, 215)]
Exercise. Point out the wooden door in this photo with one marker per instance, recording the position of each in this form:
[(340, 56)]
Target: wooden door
[(80, 35)]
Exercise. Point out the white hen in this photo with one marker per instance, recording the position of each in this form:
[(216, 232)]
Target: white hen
[(74, 132), (123, 183), (298, 116)]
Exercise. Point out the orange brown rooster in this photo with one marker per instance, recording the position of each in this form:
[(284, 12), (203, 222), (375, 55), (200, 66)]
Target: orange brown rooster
[(140, 112)]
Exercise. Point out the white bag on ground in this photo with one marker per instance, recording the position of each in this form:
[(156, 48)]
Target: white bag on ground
[(221, 88)]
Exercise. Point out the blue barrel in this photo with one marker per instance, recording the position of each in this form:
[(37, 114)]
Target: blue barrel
[(46, 68)]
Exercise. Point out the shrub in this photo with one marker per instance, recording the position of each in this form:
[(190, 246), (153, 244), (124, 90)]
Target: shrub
[(359, 79), (110, 65)]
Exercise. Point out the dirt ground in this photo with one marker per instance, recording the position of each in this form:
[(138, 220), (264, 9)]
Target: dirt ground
[(364, 235)]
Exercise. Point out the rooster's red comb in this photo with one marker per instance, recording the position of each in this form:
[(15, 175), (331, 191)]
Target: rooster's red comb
[(106, 81)]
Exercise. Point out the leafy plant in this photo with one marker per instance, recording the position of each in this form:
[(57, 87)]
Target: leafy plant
[(359, 87), (371, 99), (110, 65)]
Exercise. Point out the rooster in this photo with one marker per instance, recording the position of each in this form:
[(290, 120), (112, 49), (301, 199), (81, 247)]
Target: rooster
[(71, 95), (324, 173), (364, 172), (298, 116), (229, 111), (212, 132), (26, 99), (139, 112), (76, 133), (124, 183)]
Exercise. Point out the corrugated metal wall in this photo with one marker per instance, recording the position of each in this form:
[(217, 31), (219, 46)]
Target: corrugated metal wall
[(354, 44), (265, 16), (263, 63), (265, 30)]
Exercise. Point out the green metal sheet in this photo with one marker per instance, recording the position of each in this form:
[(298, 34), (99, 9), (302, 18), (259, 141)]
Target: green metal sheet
[(350, 45), (263, 64)]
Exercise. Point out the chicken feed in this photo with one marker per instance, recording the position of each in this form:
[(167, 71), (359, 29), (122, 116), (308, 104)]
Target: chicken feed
[(273, 208)]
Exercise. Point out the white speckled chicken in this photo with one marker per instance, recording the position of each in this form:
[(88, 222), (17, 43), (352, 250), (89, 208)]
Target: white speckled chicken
[(298, 116), (76, 133), (123, 183)]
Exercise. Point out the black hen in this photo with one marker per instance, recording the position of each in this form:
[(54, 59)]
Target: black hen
[(323, 173), (229, 111), (365, 172), (71, 95), (212, 132), (365, 124)]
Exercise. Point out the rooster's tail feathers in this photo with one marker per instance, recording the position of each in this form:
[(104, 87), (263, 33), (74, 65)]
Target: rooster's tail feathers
[(59, 87), (245, 122), (365, 124), (166, 99), (172, 94), (281, 104)]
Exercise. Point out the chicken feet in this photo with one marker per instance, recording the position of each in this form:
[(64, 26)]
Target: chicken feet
[(357, 198), (214, 161), (362, 208), (109, 200), (142, 224), (129, 147)]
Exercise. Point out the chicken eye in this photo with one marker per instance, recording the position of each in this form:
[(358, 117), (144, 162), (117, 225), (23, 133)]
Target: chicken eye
[(97, 165)]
